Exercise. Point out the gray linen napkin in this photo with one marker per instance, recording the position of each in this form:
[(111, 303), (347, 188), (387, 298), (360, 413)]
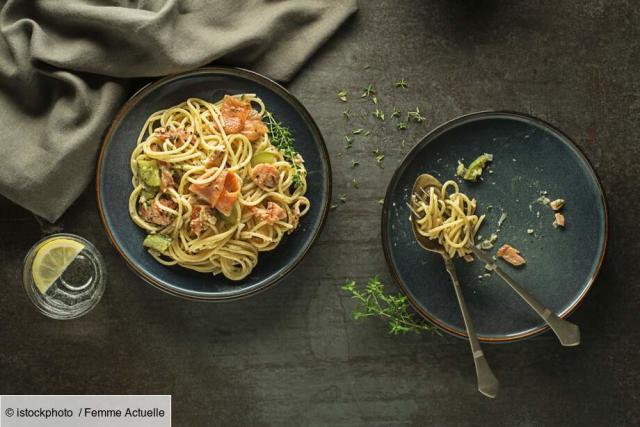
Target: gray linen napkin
[(65, 65)]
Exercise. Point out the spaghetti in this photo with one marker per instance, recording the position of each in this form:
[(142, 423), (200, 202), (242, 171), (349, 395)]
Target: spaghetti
[(212, 188), (448, 218)]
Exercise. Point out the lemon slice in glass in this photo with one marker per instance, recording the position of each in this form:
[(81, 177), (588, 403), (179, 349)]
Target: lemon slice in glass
[(52, 259)]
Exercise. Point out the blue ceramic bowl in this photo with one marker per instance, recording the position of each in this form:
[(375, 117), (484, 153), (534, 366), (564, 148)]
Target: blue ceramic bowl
[(114, 181), (530, 156)]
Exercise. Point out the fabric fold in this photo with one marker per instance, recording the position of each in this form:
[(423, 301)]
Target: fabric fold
[(65, 68)]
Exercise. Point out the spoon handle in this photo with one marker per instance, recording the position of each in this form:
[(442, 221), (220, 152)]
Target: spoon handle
[(487, 382), (567, 332)]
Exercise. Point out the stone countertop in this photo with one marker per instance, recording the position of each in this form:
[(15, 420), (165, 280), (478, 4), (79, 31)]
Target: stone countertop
[(293, 355)]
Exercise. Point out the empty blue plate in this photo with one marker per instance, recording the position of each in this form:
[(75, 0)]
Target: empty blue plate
[(530, 158), (114, 181)]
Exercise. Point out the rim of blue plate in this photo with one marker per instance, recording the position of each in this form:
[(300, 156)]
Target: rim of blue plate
[(259, 79), (450, 124)]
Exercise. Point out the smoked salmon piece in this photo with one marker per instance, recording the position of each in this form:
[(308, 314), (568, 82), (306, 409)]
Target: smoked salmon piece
[(154, 214), (229, 194), (221, 193), (271, 214), (166, 179), (265, 175), (511, 255), (199, 216), (240, 117), (211, 191)]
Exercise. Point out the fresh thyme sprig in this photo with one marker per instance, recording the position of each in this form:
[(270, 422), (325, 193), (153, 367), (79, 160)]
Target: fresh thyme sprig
[(373, 301), (283, 140), (342, 95)]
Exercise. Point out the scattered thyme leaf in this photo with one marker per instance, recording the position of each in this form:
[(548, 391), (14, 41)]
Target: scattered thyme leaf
[(402, 125), (358, 131), (381, 201), (349, 142), (342, 95), (394, 308), (368, 91), (367, 133), (333, 206), (354, 163), (347, 114), (379, 114), (396, 112), (355, 183), (374, 99), (415, 115), (342, 197), (379, 156), (402, 83), (403, 143), (367, 66)]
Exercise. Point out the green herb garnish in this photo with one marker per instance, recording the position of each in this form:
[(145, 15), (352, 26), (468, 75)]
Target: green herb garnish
[(372, 301), (402, 83), (368, 91), (342, 197), (349, 141), (374, 99), (358, 131), (347, 114), (415, 115), (333, 206), (402, 125), (475, 168), (379, 156), (396, 112), (355, 183), (354, 163), (379, 114), (283, 140), (342, 95)]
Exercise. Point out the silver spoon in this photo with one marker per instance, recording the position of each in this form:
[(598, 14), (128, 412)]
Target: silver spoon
[(568, 334), (487, 382)]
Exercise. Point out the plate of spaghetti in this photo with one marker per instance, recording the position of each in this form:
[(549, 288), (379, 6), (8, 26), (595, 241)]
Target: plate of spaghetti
[(213, 184), (514, 187)]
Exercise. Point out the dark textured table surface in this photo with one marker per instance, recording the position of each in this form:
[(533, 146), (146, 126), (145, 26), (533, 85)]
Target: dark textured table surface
[(293, 355)]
